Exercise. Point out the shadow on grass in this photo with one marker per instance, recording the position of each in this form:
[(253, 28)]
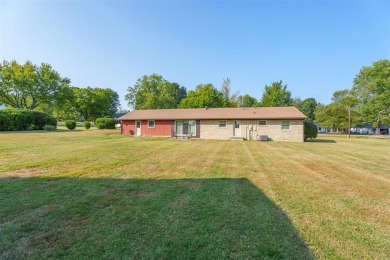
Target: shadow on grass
[(320, 141), (153, 219)]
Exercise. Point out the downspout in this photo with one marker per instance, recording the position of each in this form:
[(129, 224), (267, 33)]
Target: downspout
[(253, 129), (249, 132)]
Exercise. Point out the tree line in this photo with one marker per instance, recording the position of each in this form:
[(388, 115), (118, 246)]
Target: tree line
[(367, 101), (155, 92), (42, 88)]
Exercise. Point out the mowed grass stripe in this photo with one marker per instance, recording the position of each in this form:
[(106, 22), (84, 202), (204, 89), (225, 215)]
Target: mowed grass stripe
[(119, 196), (339, 193)]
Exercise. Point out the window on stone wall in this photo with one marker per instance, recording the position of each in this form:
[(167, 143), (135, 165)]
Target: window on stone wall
[(222, 124), (285, 124), (262, 123)]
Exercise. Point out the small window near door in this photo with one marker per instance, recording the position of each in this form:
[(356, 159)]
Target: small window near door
[(285, 124), (151, 124), (222, 124), (262, 123)]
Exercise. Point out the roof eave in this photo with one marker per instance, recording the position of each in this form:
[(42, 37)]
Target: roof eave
[(219, 118)]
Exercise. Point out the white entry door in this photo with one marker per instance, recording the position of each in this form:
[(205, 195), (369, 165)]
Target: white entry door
[(138, 128), (237, 128)]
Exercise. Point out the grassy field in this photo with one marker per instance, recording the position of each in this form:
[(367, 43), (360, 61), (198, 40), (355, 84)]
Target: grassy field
[(97, 194)]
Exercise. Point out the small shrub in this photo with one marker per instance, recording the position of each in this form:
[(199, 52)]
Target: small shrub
[(49, 127), (310, 130), (51, 121), (105, 123), (70, 124), (87, 124)]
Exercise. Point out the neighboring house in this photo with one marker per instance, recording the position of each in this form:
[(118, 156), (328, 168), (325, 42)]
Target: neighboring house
[(363, 129), (322, 129), (383, 130), (274, 123)]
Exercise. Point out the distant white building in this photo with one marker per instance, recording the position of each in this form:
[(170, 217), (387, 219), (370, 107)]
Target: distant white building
[(364, 129)]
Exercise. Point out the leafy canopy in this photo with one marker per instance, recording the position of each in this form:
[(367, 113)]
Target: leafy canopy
[(154, 92), (231, 99), (307, 107), (276, 95), (91, 103), (335, 114), (29, 86), (372, 90), (247, 101), (203, 96)]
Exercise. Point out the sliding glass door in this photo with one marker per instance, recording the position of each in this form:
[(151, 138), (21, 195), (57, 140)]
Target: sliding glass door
[(186, 127)]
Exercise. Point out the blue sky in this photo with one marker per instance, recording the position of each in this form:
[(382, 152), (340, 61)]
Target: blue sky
[(315, 47)]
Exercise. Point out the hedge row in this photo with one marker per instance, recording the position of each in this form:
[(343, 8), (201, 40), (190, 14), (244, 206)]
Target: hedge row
[(24, 119), (105, 123)]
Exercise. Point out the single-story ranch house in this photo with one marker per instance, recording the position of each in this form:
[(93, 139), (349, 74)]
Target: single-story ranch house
[(272, 123)]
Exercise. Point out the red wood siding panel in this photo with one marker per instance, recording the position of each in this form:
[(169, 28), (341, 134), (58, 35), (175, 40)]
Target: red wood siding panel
[(128, 127), (161, 128)]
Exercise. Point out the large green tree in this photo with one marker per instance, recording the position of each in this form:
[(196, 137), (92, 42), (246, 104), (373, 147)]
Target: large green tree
[(154, 92), (336, 114), (62, 107), (276, 95), (306, 106), (91, 103), (372, 88), (231, 99), (203, 96), (330, 116), (247, 101), (29, 86)]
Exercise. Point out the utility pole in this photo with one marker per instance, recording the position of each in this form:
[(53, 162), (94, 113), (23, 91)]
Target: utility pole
[(349, 121)]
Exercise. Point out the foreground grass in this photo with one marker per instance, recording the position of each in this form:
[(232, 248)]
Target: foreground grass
[(89, 194)]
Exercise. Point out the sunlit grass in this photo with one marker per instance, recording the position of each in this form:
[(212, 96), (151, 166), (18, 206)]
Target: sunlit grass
[(95, 193)]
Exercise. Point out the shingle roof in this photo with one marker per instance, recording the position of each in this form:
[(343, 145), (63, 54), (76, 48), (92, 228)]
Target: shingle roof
[(216, 113)]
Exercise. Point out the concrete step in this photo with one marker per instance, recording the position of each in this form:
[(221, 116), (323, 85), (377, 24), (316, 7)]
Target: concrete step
[(237, 138)]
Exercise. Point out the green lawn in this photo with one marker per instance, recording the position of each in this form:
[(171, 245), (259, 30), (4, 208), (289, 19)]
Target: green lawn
[(97, 194)]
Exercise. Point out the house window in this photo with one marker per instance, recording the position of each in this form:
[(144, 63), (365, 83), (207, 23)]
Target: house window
[(285, 124), (262, 122), (151, 124), (222, 124)]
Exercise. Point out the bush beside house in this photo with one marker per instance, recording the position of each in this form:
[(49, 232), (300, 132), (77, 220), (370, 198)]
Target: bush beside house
[(310, 130)]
